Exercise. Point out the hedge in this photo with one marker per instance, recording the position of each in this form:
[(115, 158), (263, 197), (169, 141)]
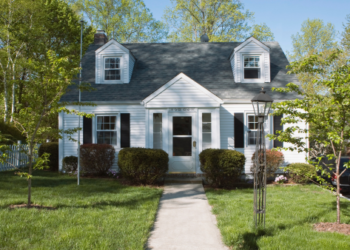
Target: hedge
[(301, 172), (274, 160), (10, 133), (52, 149), (223, 167), (96, 159), (70, 164), (143, 165)]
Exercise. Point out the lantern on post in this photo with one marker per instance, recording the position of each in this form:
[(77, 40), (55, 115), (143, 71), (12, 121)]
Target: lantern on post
[(261, 104)]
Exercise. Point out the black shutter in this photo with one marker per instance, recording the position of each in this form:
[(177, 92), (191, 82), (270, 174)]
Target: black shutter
[(87, 130), (125, 130), (277, 126), (239, 130)]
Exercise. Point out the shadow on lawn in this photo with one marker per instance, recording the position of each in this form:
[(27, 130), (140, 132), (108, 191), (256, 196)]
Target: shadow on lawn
[(250, 239)]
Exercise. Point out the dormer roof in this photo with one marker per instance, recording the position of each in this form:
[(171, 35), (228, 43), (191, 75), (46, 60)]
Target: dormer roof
[(207, 64)]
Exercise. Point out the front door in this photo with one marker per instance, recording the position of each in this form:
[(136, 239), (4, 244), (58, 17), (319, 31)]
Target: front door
[(182, 151)]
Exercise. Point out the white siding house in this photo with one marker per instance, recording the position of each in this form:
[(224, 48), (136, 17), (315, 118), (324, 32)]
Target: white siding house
[(181, 98)]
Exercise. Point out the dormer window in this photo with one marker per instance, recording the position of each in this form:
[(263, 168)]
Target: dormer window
[(252, 69), (112, 68)]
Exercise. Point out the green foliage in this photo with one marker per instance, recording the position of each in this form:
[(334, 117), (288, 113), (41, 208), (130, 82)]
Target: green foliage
[(10, 134), (96, 159), (143, 165), (221, 20), (70, 164), (301, 172), (124, 20), (262, 32), (274, 160), (222, 167), (315, 37), (346, 34), (50, 148)]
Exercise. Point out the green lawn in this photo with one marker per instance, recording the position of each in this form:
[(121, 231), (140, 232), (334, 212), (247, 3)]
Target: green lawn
[(99, 214), (291, 212)]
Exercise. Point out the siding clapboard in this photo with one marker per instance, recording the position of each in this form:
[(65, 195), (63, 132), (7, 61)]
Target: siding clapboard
[(137, 127), (184, 94)]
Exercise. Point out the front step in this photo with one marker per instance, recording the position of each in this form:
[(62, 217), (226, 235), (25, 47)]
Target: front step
[(184, 178)]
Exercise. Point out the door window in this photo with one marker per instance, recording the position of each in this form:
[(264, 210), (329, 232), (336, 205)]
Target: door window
[(182, 136)]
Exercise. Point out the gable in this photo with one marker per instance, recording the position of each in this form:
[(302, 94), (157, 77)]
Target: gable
[(114, 49), (182, 91)]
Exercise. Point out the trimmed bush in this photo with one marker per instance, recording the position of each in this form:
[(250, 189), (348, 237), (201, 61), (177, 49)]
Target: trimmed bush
[(52, 149), (96, 159), (143, 165), (274, 160), (301, 172), (223, 167), (70, 164)]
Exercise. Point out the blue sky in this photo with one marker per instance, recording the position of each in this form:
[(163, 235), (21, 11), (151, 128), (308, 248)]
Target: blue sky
[(284, 17)]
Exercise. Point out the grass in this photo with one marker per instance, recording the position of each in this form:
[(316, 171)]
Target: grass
[(291, 213), (99, 214)]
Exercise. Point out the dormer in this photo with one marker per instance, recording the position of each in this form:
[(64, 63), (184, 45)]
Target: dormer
[(114, 62), (250, 62)]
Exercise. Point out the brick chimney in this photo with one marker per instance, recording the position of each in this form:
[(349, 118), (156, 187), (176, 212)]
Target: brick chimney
[(100, 37)]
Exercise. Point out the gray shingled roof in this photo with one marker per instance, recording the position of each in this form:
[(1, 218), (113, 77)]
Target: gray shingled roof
[(206, 63)]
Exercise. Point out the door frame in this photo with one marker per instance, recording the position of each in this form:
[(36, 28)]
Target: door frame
[(194, 128)]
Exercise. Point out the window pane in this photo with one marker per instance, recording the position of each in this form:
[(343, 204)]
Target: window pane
[(182, 125), (251, 73), (99, 122), (104, 137), (206, 138), (252, 137), (157, 131), (106, 122), (112, 74), (251, 118), (182, 146), (206, 117), (206, 127)]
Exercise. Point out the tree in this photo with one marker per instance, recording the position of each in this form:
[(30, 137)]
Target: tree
[(346, 34), (221, 20), (123, 20), (315, 37), (51, 62), (328, 112)]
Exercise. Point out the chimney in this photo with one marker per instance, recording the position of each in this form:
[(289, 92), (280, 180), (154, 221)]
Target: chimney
[(100, 37), (204, 38)]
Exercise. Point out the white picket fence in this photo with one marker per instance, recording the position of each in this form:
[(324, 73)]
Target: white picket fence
[(18, 157)]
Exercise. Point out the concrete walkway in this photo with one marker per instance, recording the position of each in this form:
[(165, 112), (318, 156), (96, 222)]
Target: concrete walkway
[(184, 221)]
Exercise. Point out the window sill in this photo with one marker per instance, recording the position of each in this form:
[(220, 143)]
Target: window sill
[(111, 82), (253, 81)]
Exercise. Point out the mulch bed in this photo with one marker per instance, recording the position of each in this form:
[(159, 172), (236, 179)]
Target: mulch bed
[(32, 206), (332, 227)]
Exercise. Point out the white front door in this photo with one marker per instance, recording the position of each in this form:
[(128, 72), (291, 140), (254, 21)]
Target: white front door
[(182, 143)]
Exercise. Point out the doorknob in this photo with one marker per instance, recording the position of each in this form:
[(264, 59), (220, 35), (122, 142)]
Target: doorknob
[(194, 144)]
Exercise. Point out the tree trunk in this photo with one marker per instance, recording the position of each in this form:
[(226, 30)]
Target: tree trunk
[(338, 188), (30, 173), (13, 100)]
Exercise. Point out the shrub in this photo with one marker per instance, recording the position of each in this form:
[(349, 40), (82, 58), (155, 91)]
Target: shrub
[(222, 166), (301, 172), (70, 163), (96, 159), (274, 160), (52, 149), (143, 165), (10, 133)]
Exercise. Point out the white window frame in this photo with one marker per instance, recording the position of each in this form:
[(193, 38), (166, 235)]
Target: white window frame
[(248, 130), (262, 70), (104, 68), (94, 129)]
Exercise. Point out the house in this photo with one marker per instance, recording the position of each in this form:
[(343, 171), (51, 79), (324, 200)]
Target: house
[(179, 97)]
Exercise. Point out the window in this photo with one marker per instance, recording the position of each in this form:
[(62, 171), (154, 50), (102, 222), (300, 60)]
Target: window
[(157, 131), (107, 130), (112, 68), (252, 129), (252, 67), (206, 130)]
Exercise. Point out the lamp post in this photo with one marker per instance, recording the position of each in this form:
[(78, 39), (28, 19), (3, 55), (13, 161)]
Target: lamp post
[(261, 104), (81, 56)]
